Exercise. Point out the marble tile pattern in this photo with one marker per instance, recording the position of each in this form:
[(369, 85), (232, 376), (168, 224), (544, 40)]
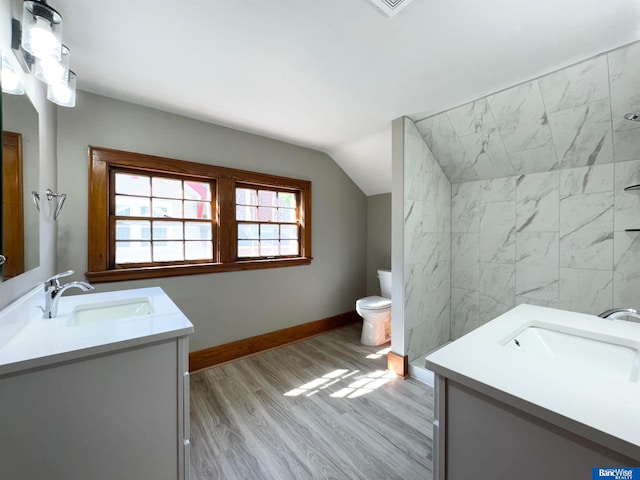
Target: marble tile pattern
[(537, 267), (577, 85), (624, 71), (427, 251), (589, 141), (521, 117), (538, 197), (556, 239), (567, 119), (538, 210), (443, 141)]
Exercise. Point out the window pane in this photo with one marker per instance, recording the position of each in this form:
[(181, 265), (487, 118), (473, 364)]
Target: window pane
[(269, 248), (167, 231), (201, 210), (198, 250), (167, 208), (132, 184), (287, 215), (248, 248), (246, 213), (132, 229), (287, 199), (122, 233), (133, 252), (132, 206), (289, 247), (268, 231), (197, 190), (267, 214), (197, 231), (267, 198), (166, 187), (248, 231), (168, 251), (246, 196), (289, 231)]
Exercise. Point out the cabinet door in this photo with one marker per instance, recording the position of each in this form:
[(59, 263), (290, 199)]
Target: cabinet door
[(184, 425), (102, 418), (439, 426)]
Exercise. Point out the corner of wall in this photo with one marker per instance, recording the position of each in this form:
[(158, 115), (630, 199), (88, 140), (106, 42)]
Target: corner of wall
[(397, 236)]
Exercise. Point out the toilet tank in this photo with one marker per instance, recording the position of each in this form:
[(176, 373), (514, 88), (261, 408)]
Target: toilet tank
[(385, 283)]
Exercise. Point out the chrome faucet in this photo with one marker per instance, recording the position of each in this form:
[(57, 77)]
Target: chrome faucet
[(53, 291), (615, 313)]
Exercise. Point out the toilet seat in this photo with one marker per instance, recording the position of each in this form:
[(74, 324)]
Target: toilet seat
[(373, 302)]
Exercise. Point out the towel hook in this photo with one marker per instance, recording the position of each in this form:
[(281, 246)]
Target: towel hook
[(61, 197)]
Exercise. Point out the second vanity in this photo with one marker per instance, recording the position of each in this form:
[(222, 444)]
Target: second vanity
[(537, 393), (101, 391)]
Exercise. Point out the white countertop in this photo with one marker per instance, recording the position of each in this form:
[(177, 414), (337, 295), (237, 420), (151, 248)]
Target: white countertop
[(602, 407), (28, 341)]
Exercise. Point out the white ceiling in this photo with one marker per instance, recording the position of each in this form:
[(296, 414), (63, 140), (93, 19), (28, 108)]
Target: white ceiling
[(330, 74)]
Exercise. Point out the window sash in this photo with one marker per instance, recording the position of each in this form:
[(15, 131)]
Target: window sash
[(149, 251), (260, 244)]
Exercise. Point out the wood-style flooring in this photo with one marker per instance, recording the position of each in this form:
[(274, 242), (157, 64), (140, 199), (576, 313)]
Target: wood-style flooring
[(323, 408)]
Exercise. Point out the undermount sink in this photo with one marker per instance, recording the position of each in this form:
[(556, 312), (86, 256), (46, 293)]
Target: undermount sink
[(115, 310), (599, 355)]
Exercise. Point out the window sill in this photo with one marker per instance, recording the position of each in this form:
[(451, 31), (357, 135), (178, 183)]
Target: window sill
[(124, 274)]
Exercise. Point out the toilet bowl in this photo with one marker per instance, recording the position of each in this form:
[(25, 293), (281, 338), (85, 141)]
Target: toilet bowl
[(376, 313)]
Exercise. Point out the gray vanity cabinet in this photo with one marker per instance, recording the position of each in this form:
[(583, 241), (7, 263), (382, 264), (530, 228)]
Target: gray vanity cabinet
[(117, 415), (487, 434)]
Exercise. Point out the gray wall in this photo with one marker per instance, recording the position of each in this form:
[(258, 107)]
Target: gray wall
[(378, 239), (232, 305)]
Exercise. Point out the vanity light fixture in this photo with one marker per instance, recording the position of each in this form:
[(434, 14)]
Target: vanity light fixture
[(37, 44), (50, 70), (41, 30), (11, 77), (63, 94)]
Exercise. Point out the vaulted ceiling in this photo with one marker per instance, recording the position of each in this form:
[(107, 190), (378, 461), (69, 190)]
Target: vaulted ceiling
[(331, 74)]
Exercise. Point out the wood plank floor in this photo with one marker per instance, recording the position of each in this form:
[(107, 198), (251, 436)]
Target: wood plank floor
[(323, 408)]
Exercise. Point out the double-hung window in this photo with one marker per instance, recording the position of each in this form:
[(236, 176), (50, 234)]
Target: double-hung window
[(161, 219), (155, 217), (267, 221)]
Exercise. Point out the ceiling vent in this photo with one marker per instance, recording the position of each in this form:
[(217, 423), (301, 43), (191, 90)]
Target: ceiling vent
[(390, 7)]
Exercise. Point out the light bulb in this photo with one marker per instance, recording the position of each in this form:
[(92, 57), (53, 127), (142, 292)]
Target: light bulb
[(51, 71), (41, 30), (11, 79), (63, 94)]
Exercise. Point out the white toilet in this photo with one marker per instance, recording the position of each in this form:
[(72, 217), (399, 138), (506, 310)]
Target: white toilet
[(376, 313)]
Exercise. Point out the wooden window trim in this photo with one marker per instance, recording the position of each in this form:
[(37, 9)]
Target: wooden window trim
[(102, 160)]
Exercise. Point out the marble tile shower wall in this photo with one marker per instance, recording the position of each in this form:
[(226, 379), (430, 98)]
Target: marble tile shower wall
[(427, 255), (539, 210)]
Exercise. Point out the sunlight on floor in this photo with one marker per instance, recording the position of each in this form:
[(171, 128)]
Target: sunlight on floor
[(379, 353), (359, 385)]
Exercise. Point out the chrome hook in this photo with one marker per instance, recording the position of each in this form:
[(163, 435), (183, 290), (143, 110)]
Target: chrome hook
[(35, 196), (61, 199), (50, 196)]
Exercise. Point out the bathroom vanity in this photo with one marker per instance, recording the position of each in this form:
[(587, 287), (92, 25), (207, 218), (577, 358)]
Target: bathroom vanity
[(101, 391), (537, 393)]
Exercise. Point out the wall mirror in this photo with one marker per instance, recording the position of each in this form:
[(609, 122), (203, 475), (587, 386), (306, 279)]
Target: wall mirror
[(20, 176)]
